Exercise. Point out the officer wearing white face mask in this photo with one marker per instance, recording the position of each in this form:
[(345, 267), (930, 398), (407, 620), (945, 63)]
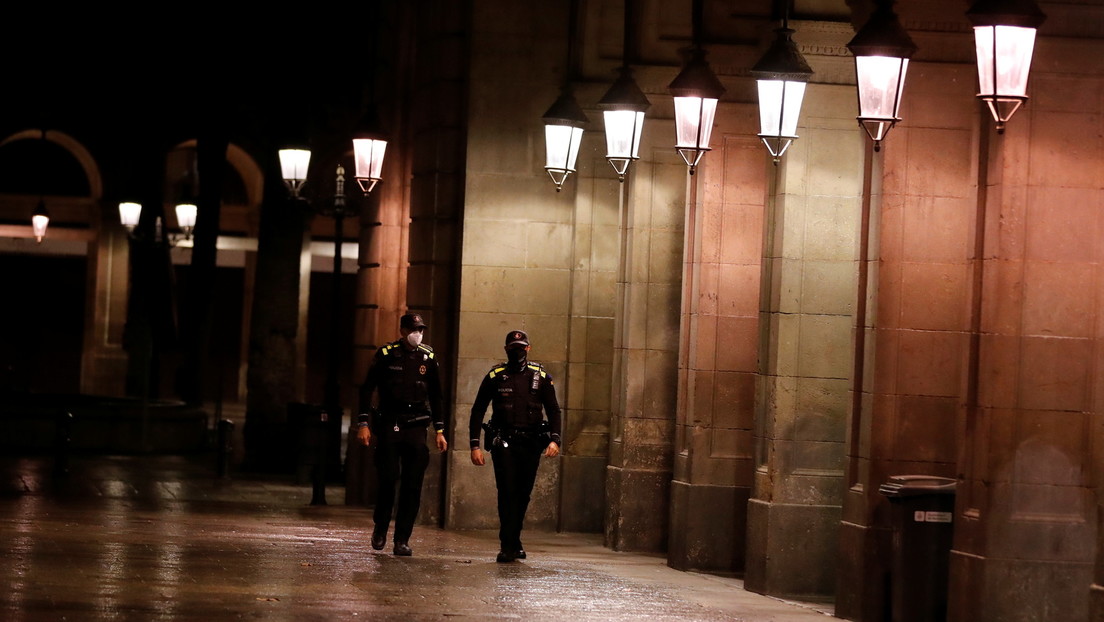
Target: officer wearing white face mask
[(407, 378)]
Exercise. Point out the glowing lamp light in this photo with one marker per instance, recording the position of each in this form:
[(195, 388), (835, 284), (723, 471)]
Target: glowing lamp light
[(368, 156), (563, 132), (781, 76), (129, 215), (696, 91), (882, 50), (1004, 36), (186, 218), (40, 219), (623, 108), (294, 162)]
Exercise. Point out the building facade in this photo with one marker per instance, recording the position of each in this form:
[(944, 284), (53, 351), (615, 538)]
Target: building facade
[(744, 354)]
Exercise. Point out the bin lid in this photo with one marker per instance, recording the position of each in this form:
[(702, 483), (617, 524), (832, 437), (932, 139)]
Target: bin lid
[(913, 485)]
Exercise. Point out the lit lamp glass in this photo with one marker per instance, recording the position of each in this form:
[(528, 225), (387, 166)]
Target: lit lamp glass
[(623, 108), (186, 218), (1004, 37), (563, 133), (40, 219), (882, 50), (368, 157), (129, 214), (293, 167), (696, 91), (781, 76)]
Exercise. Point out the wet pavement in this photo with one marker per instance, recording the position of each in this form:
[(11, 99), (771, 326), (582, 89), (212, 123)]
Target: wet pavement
[(160, 538)]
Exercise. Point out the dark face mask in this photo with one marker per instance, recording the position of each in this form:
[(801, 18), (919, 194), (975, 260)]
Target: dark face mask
[(516, 356)]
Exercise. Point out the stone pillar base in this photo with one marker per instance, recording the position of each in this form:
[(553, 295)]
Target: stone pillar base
[(792, 549), (636, 509), (864, 557), (583, 494), (709, 541), (1096, 603), (987, 589)]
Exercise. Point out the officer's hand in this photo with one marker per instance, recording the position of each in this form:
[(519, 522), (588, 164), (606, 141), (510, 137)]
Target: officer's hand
[(442, 444), (364, 435), (477, 457), (553, 450)]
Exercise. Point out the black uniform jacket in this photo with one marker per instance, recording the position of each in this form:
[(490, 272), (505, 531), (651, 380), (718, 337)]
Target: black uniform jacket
[(409, 385), (517, 400)]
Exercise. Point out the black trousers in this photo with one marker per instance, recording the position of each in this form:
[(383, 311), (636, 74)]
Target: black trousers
[(515, 469), (401, 459)]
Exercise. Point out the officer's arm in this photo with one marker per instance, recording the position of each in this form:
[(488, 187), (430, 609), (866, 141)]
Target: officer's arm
[(551, 408), (364, 416), (436, 402), (479, 410)]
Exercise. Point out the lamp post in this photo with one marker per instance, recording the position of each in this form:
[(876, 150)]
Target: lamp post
[(882, 50), (1004, 36), (781, 76), (368, 151)]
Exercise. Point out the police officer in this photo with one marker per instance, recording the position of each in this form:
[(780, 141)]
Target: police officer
[(406, 375), (521, 394)]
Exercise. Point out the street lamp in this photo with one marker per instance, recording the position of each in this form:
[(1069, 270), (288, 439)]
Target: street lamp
[(129, 214), (1004, 36), (40, 219), (882, 50), (186, 218), (623, 108), (563, 133), (696, 91), (781, 75), (294, 162), (368, 150)]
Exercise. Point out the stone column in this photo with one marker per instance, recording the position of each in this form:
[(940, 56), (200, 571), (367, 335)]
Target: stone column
[(646, 342), (103, 359), (806, 356), (593, 192), (516, 254), (1028, 519), (915, 345), (717, 369)]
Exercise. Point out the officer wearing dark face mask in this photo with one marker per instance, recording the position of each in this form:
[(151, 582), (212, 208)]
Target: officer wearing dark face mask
[(406, 375), (521, 395)]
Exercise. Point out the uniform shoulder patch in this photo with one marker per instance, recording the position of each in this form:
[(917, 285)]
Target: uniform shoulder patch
[(537, 367), (496, 370), (428, 350)]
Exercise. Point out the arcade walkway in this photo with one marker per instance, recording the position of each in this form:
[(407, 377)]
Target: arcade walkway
[(159, 538)]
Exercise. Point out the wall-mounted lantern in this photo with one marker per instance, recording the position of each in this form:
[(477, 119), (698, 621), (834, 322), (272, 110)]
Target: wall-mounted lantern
[(882, 50), (1004, 35), (781, 76)]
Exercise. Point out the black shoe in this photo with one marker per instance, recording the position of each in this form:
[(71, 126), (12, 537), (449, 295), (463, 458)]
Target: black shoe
[(520, 554), (505, 557), (379, 538), (403, 549)]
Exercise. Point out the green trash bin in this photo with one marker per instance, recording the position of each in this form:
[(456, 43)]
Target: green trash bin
[(923, 527)]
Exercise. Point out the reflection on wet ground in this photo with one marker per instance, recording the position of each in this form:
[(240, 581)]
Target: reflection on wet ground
[(159, 538)]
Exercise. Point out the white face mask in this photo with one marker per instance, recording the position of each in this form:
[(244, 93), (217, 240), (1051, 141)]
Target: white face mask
[(414, 339)]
